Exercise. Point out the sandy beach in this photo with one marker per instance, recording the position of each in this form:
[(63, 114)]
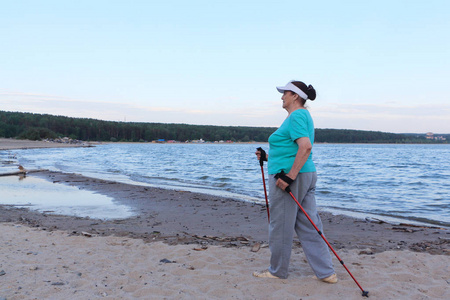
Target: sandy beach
[(183, 245), (55, 265)]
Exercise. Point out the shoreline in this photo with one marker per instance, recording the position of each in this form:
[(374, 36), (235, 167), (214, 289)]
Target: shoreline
[(181, 217), (10, 144), (14, 144)]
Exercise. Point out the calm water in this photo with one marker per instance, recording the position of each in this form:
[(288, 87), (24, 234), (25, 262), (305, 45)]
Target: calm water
[(409, 182), (44, 196)]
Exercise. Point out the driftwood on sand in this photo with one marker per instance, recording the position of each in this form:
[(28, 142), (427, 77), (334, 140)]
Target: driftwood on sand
[(22, 171)]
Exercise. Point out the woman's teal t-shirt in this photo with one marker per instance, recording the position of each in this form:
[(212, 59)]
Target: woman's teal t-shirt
[(283, 147)]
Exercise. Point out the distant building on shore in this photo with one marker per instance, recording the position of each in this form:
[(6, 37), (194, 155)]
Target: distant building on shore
[(200, 141), (431, 136)]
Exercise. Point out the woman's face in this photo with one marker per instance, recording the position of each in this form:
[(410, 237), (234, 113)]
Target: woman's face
[(288, 99)]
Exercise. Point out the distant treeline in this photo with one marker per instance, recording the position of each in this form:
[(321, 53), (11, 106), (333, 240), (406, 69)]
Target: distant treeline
[(42, 126)]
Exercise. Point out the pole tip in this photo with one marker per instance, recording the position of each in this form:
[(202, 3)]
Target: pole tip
[(365, 294)]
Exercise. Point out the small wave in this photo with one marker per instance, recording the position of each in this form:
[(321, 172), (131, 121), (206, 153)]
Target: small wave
[(417, 183), (332, 166), (223, 179), (399, 167), (435, 206), (324, 192), (221, 185)]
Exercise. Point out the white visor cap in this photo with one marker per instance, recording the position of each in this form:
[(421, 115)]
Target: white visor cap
[(291, 87)]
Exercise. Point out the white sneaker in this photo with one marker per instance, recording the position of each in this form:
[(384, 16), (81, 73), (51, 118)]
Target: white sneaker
[(264, 274), (330, 279)]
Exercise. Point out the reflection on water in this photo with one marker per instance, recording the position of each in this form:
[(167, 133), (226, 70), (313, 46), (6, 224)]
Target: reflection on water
[(43, 196)]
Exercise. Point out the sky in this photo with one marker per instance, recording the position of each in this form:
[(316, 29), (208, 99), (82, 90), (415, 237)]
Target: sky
[(376, 65)]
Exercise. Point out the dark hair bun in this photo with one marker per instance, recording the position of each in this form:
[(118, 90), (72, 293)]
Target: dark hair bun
[(308, 90), (311, 92)]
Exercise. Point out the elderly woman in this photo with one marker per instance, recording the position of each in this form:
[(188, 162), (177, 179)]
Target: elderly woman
[(290, 152)]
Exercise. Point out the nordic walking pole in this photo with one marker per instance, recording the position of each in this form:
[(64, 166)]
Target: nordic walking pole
[(288, 190), (261, 163)]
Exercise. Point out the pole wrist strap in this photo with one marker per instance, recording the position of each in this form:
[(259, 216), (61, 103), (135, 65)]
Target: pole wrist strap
[(284, 177)]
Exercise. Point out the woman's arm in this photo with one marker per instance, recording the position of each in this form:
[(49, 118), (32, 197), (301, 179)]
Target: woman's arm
[(304, 150)]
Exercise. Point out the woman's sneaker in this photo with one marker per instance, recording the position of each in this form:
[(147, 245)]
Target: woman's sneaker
[(330, 279), (264, 274)]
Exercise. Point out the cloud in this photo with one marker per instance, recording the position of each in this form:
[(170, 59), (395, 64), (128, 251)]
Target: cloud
[(385, 117), (7, 94), (389, 117), (104, 110)]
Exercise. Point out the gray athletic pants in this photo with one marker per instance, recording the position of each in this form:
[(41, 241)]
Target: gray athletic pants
[(286, 217)]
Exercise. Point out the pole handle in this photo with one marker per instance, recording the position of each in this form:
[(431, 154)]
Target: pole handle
[(286, 179), (263, 156)]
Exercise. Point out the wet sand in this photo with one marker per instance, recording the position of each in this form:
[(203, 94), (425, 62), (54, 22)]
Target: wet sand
[(208, 241), (178, 217)]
